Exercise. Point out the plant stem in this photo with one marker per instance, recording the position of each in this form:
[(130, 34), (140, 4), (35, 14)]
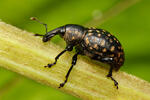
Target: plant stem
[(26, 54)]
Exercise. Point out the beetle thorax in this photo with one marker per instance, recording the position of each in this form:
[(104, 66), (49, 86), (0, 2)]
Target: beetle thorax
[(73, 34)]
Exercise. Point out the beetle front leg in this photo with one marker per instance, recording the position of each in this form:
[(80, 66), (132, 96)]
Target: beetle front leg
[(68, 48), (38, 34), (109, 60)]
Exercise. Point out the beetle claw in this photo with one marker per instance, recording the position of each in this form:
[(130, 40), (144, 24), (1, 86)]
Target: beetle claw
[(49, 65), (61, 85)]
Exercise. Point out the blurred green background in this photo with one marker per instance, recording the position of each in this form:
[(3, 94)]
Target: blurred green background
[(131, 27)]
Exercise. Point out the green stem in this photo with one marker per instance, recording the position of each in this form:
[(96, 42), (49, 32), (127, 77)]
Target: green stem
[(26, 54)]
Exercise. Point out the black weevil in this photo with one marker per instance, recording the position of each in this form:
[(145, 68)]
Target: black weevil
[(98, 44)]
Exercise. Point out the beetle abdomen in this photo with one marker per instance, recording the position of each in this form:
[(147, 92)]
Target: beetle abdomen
[(100, 44)]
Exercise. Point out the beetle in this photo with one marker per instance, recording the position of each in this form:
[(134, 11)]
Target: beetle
[(98, 44)]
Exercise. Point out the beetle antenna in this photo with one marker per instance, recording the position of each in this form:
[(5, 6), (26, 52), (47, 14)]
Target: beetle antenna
[(34, 18)]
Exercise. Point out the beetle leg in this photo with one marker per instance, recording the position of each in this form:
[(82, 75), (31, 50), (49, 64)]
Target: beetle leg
[(68, 48), (110, 75), (74, 60), (38, 35), (109, 60)]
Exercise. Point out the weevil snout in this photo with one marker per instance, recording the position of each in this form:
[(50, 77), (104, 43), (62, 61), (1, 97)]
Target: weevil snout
[(47, 37)]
